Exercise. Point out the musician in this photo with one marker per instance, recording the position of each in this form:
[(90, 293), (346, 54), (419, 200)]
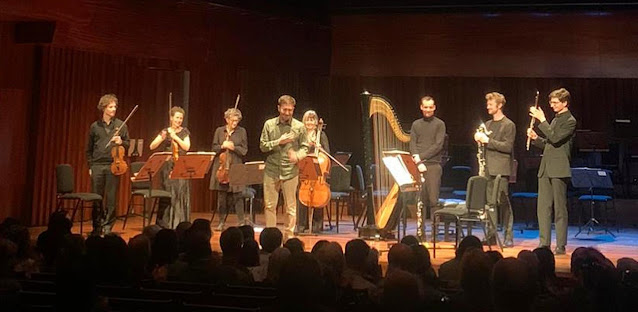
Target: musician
[(282, 139), (310, 121), (230, 138), (427, 136), (98, 154), (555, 139), (169, 215), (499, 146)]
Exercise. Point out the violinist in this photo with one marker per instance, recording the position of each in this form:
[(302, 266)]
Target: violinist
[(98, 154), (232, 142), (310, 121), (180, 189)]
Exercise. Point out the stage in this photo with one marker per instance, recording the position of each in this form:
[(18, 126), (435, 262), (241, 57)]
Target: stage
[(624, 245)]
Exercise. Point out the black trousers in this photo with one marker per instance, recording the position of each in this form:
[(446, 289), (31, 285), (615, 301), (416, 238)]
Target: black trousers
[(227, 201), (317, 217), (104, 183)]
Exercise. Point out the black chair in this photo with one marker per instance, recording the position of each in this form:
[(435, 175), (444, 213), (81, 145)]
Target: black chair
[(474, 210), (248, 195), (65, 185), (141, 189), (340, 192)]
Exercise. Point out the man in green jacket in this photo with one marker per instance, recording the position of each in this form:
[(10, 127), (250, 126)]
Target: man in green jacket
[(554, 172)]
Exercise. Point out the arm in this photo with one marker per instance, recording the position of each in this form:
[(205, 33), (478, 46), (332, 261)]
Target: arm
[(507, 144), (158, 140), (89, 148), (439, 139), (562, 132), (266, 143), (302, 142), (413, 138), (217, 142), (241, 147)]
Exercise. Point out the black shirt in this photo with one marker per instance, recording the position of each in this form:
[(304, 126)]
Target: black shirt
[(427, 136), (99, 135)]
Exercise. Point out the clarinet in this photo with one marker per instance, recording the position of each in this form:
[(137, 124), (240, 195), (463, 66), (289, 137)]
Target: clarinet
[(480, 155)]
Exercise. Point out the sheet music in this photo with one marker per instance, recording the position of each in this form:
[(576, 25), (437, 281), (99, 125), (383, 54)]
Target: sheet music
[(398, 170)]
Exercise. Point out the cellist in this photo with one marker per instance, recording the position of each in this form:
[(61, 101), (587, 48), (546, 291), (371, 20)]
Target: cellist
[(99, 158), (310, 121), (229, 140)]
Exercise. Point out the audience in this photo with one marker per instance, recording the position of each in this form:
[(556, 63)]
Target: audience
[(86, 273)]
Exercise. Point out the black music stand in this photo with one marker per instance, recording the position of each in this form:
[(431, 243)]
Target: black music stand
[(407, 176), (250, 173), (193, 165), (152, 165), (590, 178)]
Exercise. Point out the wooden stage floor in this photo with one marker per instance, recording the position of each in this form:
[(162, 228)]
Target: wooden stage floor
[(624, 245)]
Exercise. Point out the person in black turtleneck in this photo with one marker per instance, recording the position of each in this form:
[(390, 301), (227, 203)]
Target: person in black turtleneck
[(427, 136), (98, 154)]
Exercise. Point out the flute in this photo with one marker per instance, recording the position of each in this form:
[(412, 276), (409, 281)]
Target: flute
[(531, 122)]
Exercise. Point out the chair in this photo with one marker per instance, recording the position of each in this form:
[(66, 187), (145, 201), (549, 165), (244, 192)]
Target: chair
[(340, 192), (248, 195), (472, 211), (141, 189), (65, 186), (360, 196)]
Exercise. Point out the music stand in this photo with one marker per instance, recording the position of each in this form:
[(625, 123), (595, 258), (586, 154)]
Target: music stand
[(250, 173), (407, 177), (342, 157), (152, 165), (193, 165), (591, 178)]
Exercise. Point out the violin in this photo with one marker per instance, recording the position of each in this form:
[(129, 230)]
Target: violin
[(119, 165), (225, 160), (316, 193)]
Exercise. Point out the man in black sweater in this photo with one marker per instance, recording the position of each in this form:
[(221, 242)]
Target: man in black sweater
[(427, 136), (98, 154), (499, 146), (554, 173)]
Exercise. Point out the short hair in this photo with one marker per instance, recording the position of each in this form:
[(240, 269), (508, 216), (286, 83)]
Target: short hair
[(105, 100), (427, 98), (286, 99), (177, 109), (270, 239), (232, 112), (498, 97), (310, 114), (562, 95), (356, 254)]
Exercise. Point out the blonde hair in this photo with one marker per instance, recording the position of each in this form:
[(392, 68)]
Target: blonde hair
[(177, 109), (105, 100), (310, 114), (286, 99), (232, 112), (497, 97)]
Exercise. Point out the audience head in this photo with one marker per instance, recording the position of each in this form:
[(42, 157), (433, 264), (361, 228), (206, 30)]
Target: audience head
[(270, 239), (300, 276), (400, 291), (295, 245), (475, 272), (249, 255), (150, 231), (330, 256), (531, 260), (468, 242), (320, 243), (410, 240), (357, 251), (231, 241), (512, 286), (494, 256), (165, 248), (546, 263), (201, 226), (248, 232), (401, 257), (276, 261), (198, 246)]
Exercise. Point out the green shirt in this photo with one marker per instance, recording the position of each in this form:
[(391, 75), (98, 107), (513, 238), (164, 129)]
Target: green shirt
[(277, 163)]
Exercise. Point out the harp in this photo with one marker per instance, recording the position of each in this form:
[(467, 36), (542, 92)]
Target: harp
[(382, 131)]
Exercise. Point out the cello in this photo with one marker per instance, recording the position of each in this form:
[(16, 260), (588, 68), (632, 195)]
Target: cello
[(225, 158), (119, 165), (315, 193)]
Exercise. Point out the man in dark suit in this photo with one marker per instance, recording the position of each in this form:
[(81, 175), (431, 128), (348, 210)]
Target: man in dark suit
[(498, 158), (554, 173)]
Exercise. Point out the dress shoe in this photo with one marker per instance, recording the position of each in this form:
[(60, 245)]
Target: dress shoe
[(220, 227), (560, 250), (508, 243)]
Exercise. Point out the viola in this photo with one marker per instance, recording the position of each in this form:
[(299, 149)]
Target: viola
[(119, 165), (316, 193)]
